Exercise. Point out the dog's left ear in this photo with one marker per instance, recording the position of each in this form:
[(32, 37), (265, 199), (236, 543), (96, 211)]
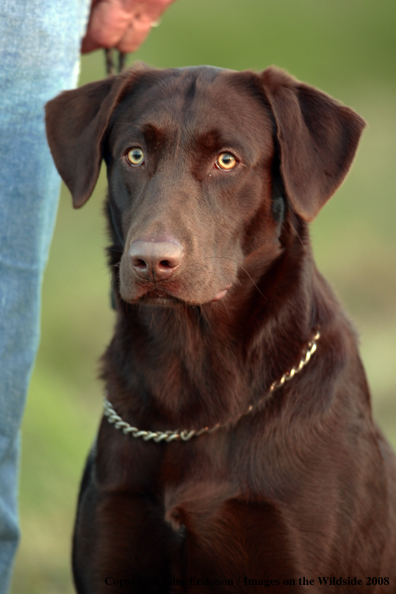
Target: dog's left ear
[(317, 138), (76, 123)]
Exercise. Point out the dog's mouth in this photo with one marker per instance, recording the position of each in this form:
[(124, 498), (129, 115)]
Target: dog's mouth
[(162, 298)]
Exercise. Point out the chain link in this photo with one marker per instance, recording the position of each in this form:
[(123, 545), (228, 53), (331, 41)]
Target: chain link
[(312, 346), (186, 435)]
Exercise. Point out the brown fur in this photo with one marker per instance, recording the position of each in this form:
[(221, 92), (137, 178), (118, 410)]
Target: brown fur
[(304, 486)]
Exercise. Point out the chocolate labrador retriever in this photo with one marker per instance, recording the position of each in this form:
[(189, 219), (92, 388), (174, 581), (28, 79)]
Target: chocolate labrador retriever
[(237, 450)]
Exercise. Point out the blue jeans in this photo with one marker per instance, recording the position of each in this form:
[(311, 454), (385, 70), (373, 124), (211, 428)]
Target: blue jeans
[(39, 57)]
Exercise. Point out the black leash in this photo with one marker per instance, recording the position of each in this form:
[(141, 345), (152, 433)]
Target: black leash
[(115, 64)]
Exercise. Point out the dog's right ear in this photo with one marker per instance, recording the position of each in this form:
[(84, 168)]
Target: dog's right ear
[(76, 123)]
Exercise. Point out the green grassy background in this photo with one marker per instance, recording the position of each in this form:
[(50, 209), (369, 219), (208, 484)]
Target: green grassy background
[(345, 47)]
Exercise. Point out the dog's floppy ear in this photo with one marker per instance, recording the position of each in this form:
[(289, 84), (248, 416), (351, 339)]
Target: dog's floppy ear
[(317, 139), (76, 123)]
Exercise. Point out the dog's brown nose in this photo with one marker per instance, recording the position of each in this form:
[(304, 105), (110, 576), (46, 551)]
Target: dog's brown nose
[(155, 260)]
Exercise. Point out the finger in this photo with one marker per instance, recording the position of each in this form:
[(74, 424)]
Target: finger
[(134, 36), (145, 17), (89, 45), (106, 26)]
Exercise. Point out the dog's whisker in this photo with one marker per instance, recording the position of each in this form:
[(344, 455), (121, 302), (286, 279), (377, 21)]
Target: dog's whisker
[(226, 308), (244, 270), (254, 283)]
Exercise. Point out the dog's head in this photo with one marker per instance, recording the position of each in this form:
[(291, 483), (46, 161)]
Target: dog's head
[(202, 164)]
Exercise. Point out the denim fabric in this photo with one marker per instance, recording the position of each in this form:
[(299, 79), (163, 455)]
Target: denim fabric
[(39, 57)]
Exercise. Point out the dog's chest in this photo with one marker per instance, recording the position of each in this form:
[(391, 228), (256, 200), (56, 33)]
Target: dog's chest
[(222, 527), (196, 482)]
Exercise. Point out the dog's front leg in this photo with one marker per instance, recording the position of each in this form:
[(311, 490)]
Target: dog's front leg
[(121, 539)]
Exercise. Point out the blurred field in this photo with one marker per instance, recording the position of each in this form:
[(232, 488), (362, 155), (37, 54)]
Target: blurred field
[(347, 48)]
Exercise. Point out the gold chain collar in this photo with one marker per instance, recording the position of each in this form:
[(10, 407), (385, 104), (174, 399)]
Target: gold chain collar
[(185, 435)]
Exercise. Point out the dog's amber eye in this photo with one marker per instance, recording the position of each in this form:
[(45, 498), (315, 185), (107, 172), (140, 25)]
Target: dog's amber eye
[(226, 161), (135, 156)]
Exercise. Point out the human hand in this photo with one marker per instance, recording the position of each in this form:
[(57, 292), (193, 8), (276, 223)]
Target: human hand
[(121, 24)]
